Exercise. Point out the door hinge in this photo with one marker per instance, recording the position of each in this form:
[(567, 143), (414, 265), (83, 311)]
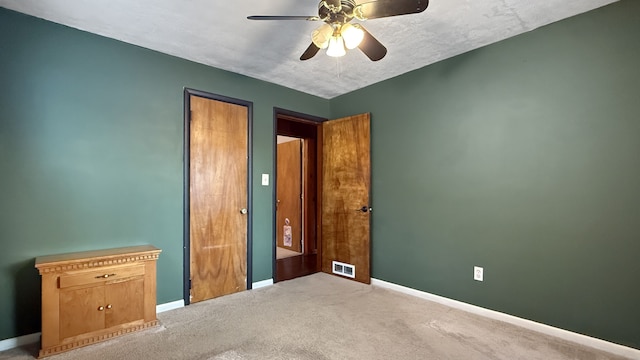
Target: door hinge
[(189, 284)]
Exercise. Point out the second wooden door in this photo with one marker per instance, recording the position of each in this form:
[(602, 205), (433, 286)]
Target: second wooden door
[(346, 181), (289, 195)]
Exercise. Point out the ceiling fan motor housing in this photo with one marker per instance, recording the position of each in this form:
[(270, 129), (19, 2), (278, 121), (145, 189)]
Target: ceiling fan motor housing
[(342, 15)]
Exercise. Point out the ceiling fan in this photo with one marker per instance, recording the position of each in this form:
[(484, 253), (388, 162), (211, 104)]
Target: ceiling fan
[(337, 34)]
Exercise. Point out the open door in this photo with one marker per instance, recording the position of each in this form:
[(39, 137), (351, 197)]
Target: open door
[(346, 182), (289, 195), (218, 197)]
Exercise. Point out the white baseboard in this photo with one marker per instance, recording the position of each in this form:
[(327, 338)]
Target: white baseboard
[(169, 306), (19, 341), (527, 324), (261, 284)]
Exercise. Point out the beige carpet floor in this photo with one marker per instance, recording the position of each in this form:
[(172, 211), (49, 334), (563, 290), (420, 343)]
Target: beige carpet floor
[(324, 317)]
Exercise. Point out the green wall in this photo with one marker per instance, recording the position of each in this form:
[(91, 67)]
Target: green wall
[(91, 154), (522, 157)]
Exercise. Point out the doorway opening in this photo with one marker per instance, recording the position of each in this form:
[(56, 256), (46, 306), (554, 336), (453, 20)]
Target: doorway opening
[(297, 247)]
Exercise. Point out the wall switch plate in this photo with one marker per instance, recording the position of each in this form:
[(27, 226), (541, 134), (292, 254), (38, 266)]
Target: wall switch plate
[(478, 273), (265, 179)]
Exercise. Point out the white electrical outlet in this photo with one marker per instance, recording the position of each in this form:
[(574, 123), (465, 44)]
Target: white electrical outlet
[(478, 273)]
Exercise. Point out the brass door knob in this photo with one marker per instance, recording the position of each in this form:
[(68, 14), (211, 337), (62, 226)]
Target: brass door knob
[(109, 306), (100, 308)]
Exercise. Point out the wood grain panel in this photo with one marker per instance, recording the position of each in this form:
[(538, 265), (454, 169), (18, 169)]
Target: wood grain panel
[(218, 192), (289, 192), (150, 290), (50, 311), (345, 189), (82, 304), (124, 302), (83, 277)]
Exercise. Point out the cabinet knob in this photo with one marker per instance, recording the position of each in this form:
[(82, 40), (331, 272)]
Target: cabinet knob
[(100, 308), (109, 306)]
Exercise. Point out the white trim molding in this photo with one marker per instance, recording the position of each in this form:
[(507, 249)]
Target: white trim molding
[(261, 284), (169, 306), (581, 339), (19, 341)]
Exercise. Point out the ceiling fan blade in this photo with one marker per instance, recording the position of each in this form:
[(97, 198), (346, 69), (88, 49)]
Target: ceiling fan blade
[(385, 8), (270, 17), (311, 51), (371, 47)]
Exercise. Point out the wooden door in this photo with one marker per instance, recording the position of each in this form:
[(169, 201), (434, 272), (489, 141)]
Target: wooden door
[(218, 198), (289, 195), (346, 177)]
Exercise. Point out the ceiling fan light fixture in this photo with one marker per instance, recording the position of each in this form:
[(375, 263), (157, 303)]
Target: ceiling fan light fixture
[(352, 35), (337, 35), (336, 46), (322, 35)]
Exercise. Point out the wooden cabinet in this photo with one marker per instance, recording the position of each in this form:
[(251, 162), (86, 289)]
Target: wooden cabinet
[(93, 296)]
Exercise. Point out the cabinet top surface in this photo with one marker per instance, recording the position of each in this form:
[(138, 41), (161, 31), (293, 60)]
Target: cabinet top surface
[(49, 260)]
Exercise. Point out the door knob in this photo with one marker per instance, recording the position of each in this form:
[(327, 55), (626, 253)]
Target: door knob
[(365, 209), (243, 211)]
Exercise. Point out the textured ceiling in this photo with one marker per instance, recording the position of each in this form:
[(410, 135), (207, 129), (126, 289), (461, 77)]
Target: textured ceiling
[(217, 33)]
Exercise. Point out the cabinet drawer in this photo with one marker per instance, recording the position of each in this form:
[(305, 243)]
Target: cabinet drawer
[(100, 275)]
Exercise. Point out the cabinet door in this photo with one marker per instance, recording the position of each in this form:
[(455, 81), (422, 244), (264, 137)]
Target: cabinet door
[(81, 311), (124, 302)]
